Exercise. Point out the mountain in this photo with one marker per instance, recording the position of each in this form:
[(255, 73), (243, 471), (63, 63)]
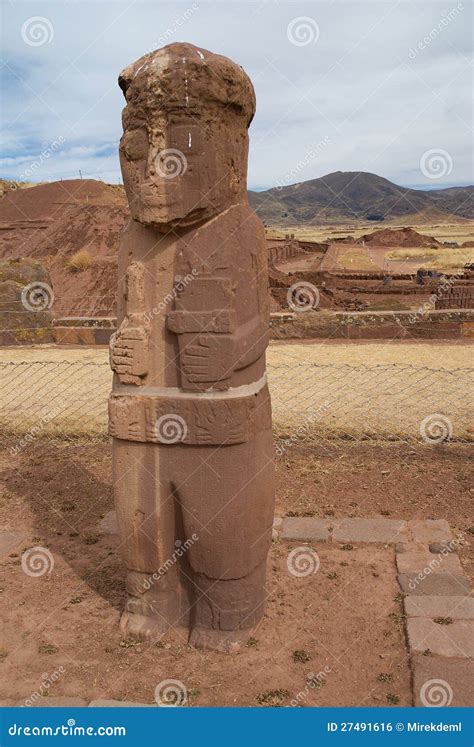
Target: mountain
[(359, 195)]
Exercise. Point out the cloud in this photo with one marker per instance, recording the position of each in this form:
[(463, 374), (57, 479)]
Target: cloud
[(378, 83)]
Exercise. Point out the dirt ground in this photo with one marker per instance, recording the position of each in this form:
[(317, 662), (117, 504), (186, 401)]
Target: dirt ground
[(435, 354), (371, 480), (343, 623)]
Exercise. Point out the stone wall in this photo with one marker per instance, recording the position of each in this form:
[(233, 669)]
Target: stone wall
[(371, 325)]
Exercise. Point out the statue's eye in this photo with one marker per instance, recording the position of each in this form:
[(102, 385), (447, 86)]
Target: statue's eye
[(135, 145)]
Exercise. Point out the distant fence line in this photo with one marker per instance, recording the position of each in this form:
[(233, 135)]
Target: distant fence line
[(311, 402)]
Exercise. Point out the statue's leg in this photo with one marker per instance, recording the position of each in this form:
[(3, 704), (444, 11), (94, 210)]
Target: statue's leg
[(149, 523), (227, 501)]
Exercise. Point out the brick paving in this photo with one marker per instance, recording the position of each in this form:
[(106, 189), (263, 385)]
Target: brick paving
[(438, 607)]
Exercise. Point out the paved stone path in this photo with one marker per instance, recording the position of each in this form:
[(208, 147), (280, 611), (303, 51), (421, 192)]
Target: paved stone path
[(438, 606), (439, 610)]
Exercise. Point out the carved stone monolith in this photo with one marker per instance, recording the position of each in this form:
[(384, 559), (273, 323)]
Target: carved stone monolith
[(190, 416)]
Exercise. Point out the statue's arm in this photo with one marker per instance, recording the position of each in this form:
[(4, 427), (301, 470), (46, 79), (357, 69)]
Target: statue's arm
[(250, 342), (211, 345)]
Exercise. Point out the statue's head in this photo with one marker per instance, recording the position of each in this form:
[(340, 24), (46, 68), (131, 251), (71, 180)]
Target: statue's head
[(183, 152)]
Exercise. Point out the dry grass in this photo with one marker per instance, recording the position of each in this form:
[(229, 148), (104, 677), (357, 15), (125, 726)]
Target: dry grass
[(459, 232), (80, 261), (356, 259), (449, 258)]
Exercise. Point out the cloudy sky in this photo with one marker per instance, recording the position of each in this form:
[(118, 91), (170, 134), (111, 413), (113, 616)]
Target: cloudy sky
[(341, 85)]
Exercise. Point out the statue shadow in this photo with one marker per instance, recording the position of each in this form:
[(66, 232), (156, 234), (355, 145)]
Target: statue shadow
[(67, 498)]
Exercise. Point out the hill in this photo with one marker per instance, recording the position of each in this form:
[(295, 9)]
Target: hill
[(359, 195), (52, 223)]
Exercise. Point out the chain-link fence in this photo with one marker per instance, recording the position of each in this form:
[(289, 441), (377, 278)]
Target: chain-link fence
[(311, 402)]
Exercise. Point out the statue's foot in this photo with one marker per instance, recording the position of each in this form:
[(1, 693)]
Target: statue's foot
[(142, 627), (226, 641)]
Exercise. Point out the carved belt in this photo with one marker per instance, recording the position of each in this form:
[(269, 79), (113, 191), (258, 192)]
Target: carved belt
[(171, 416)]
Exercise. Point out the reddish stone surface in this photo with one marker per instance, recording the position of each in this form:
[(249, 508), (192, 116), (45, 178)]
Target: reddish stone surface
[(457, 608), (190, 409), (370, 530), (429, 530), (439, 681), (306, 528), (434, 584), (424, 562), (456, 639)]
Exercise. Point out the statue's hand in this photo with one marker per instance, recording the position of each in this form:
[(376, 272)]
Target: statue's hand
[(129, 353), (209, 358)]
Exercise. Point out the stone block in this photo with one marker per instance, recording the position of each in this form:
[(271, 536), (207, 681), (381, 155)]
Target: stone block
[(65, 336), (370, 530), (305, 528), (438, 681), (102, 336), (456, 639), (429, 530), (436, 584), (468, 329), (458, 608), (443, 547), (414, 561), (85, 336)]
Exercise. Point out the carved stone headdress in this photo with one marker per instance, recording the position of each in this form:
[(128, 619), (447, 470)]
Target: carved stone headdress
[(183, 79)]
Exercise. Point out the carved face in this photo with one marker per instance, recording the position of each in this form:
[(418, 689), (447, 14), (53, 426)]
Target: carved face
[(182, 171)]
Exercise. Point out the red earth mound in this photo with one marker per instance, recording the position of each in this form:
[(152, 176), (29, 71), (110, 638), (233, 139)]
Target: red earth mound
[(398, 237), (52, 223)]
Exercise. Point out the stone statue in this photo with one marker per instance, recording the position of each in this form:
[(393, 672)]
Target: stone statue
[(190, 416)]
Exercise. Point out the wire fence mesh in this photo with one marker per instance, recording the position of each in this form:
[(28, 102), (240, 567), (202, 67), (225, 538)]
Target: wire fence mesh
[(311, 402)]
